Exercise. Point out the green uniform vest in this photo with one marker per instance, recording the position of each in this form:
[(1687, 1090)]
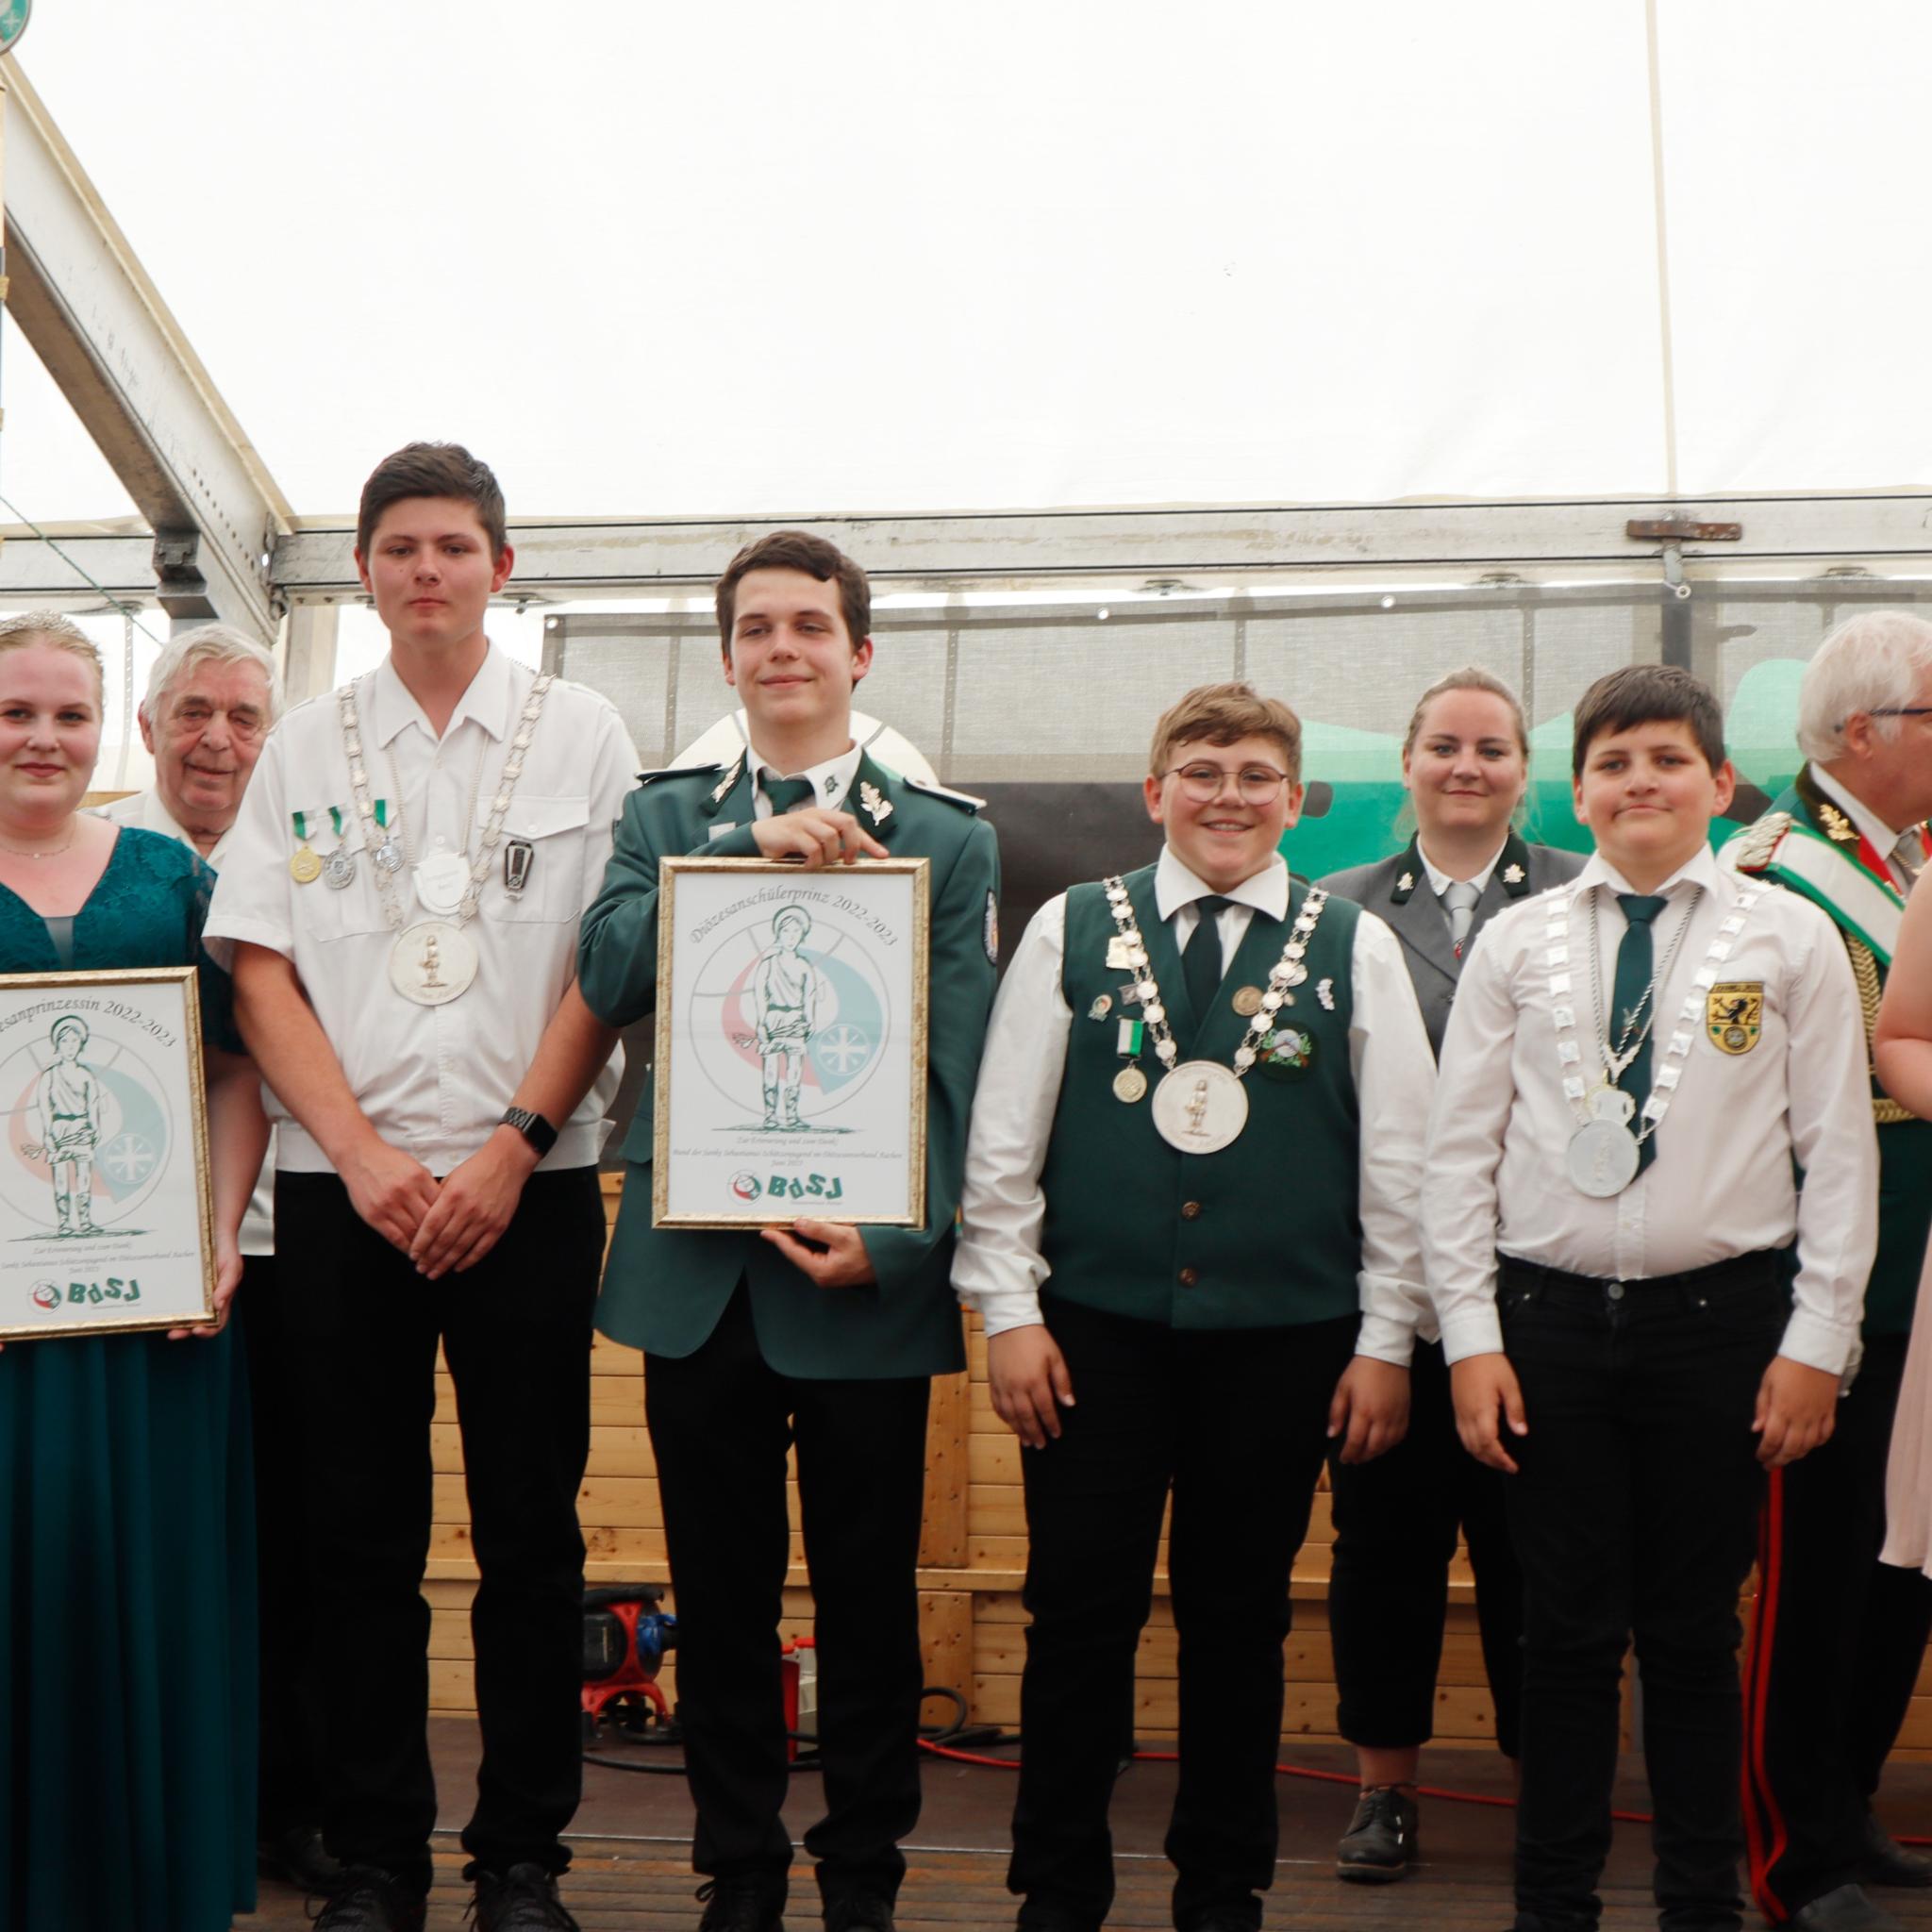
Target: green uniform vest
[(1904, 1146), (1263, 1234)]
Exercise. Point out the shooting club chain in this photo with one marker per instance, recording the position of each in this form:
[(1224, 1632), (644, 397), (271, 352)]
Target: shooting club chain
[(435, 960), (1200, 1106)]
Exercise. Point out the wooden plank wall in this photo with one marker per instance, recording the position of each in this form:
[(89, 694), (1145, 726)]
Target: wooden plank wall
[(972, 1556)]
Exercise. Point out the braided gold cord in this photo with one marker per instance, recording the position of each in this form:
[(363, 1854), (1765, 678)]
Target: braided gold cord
[(1885, 1111)]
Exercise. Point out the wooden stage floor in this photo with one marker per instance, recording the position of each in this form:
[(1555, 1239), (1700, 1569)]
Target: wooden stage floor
[(632, 1873)]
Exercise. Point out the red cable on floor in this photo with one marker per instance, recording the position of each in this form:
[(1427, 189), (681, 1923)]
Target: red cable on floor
[(1327, 1777)]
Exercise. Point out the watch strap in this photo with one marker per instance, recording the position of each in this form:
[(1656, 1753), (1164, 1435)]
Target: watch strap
[(532, 1126)]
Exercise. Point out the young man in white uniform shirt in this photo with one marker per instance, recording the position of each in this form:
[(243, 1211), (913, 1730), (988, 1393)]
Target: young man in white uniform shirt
[(402, 897), (1640, 1303)]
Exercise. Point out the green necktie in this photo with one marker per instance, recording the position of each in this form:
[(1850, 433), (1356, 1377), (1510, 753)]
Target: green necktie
[(1201, 968), (786, 794), (1635, 957)]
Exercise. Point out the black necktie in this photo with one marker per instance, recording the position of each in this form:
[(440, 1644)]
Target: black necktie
[(1201, 968), (1635, 955), (788, 794)]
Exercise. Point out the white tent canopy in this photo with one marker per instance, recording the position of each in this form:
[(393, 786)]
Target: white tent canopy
[(768, 260)]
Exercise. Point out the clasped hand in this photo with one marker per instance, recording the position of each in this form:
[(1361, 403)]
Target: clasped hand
[(448, 1226), (815, 837)]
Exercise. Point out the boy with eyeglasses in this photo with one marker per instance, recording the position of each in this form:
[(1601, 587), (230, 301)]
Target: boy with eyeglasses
[(1193, 1267)]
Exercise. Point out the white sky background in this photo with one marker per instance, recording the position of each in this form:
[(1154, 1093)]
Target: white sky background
[(770, 259)]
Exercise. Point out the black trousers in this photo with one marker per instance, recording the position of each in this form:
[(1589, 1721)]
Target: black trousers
[(516, 1333), (1835, 1650), (1396, 1520), (291, 1737), (721, 1421), (1634, 1513), (1233, 1423)]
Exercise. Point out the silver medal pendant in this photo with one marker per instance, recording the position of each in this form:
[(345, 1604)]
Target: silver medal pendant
[(442, 880), (432, 963), (1200, 1106), (338, 869), (389, 855), (1602, 1154)]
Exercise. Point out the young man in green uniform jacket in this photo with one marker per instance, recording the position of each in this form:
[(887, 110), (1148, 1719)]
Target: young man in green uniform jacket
[(1840, 1636), (821, 1334), (1189, 1230)]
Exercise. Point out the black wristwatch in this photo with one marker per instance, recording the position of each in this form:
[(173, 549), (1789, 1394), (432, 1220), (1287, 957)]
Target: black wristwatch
[(532, 1126)]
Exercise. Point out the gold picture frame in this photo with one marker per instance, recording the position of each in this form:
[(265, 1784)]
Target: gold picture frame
[(724, 966), (101, 1074)]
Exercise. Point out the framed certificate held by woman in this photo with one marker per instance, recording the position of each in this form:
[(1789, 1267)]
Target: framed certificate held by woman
[(791, 1043), (105, 1171)]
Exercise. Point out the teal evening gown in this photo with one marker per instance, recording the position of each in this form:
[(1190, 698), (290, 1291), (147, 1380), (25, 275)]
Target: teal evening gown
[(127, 1673)]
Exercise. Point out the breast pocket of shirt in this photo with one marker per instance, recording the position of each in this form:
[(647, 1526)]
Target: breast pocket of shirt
[(542, 847), (353, 910)]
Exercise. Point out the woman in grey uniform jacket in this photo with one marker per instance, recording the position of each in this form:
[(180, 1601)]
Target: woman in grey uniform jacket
[(1466, 764)]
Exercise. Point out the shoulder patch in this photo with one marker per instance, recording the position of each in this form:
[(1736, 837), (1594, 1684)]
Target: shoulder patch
[(964, 800), (1752, 850), (678, 772)]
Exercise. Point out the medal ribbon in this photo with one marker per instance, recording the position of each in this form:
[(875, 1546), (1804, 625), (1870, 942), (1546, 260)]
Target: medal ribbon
[(1286, 970), (301, 819)]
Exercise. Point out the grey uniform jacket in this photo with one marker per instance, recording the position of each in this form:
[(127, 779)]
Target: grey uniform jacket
[(1397, 892)]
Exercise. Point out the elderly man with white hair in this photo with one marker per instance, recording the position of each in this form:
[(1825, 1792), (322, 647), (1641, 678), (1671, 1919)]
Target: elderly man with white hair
[(213, 695), (212, 701), (1839, 1638)]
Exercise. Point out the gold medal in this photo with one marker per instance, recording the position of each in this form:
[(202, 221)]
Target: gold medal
[(304, 868), (1130, 1084), (1247, 1001)]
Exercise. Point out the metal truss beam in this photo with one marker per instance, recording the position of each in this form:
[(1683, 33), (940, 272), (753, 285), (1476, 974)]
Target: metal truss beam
[(1022, 548), (33, 572), (83, 300)]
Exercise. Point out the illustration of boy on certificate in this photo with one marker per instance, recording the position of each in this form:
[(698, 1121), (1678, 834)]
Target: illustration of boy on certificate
[(64, 1119), (789, 1000)]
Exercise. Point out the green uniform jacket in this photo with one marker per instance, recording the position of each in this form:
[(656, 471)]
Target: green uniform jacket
[(664, 1289), (1905, 1145)]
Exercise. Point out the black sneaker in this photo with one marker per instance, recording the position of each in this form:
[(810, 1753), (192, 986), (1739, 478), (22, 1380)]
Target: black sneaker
[(364, 1899), (1882, 1861), (1380, 1844), (860, 1911), (740, 1904), (524, 1899)]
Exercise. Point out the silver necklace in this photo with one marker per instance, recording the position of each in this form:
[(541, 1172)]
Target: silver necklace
[(1618, 1059), (1200, 1106), (435, 960), (52, 851)]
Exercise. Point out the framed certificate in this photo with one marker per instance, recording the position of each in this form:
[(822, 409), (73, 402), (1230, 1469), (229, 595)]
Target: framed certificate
[(791, 1029), (104, 1177)]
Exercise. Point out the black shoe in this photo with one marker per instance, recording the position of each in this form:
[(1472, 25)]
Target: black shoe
[(363, 1899), (1225, 1919), (1051, 1919), (1845, 1908), (1380, 1844), (524, 1899), (860, 1911), (296, 1858), (1882, 1861), (740, 1904)]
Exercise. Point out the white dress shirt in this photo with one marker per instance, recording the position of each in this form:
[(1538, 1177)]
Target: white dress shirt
[(1722, 1183), (433, 1080), (998, 1267), (1440, 880), (146, 810), (1883, 838)]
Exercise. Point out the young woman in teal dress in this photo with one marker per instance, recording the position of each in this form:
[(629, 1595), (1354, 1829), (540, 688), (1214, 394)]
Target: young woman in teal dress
[(126, 1539)]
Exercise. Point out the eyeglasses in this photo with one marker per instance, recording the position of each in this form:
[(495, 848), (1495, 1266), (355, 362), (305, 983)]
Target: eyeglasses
[(1203, 783), (1900, 711)]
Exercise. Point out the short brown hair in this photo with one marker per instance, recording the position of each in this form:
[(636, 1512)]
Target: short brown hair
[(1224, 714), (1648, 694), (799, 550), (1470, 677), (432, 468)]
